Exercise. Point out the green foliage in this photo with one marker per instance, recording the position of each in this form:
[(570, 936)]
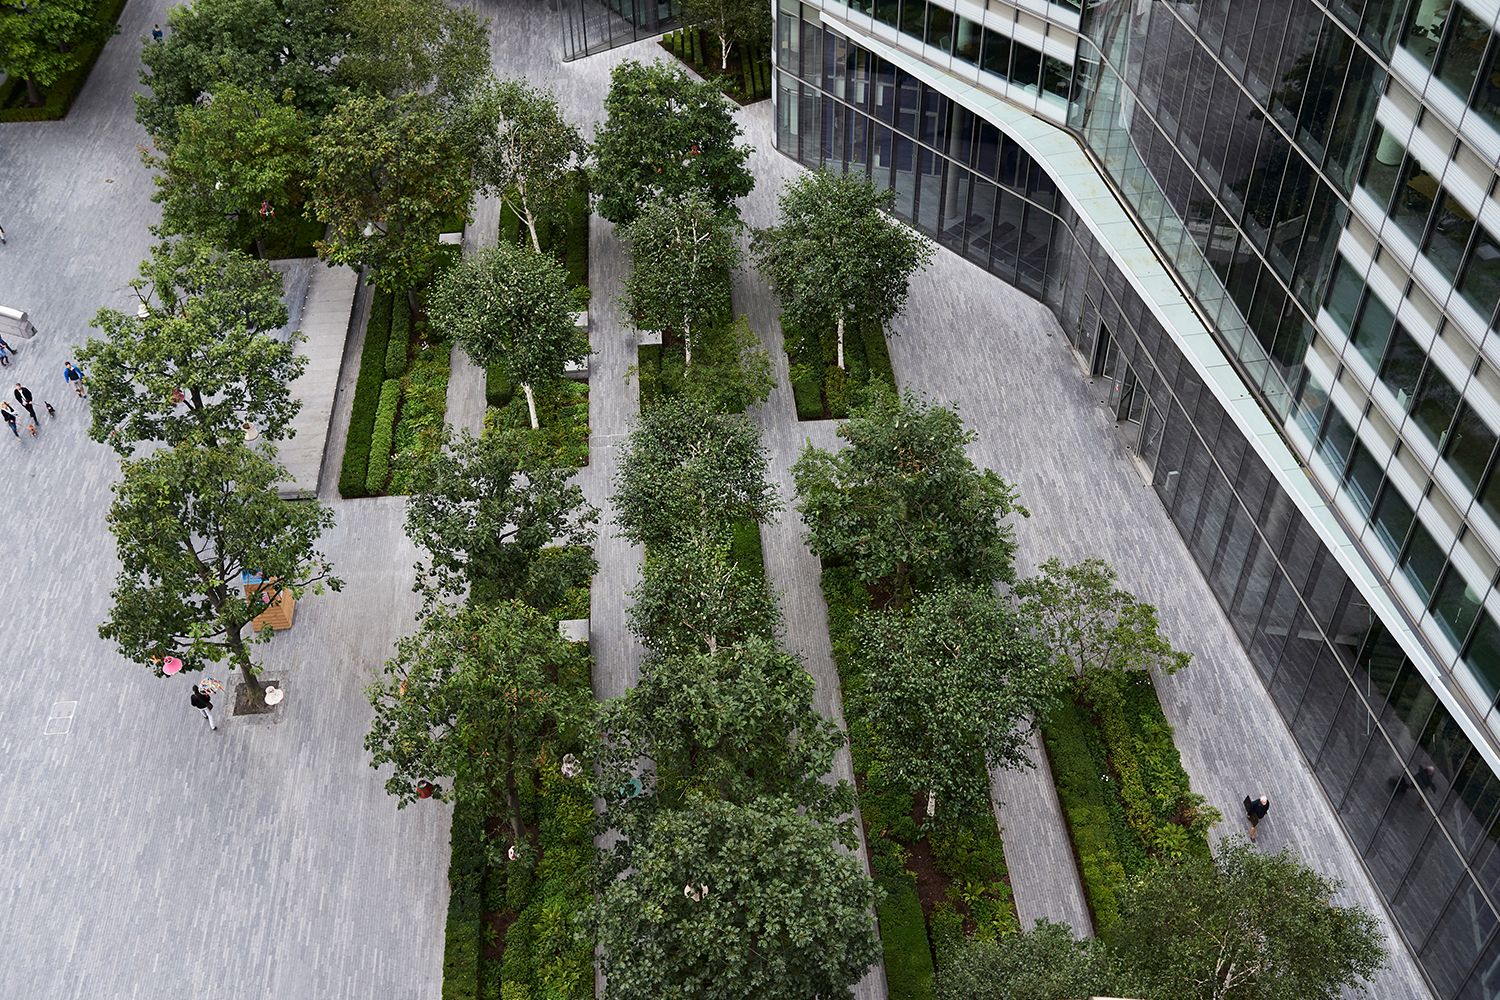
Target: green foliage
[(745, 550), (820, 388), (381, 436), (565, 236), (1242, 925), (785, 914), (367, 392), (59, 94), (904, 505), (527, 152), (903, 931), (189, 521), (420, 430), (686, 468), (693, 598), (206, 339), (563, 438), (1100, 842), (463, 933), (396, 48), (399, 344), (1044, 963), (498, 387), (665, 135), (730, 372)]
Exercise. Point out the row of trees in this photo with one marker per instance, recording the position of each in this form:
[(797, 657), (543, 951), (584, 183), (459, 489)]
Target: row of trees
[(40, 43)]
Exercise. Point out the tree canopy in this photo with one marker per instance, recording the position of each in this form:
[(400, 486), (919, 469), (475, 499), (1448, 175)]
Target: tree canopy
[(41, 42), (485, 521), (526, 151), (1241, 926), (904, 505), (398, 48), (665, 134), (837, 256), (1044, 963), (511, 306), (949, 687), (201, 359), (732, 22), (686, 468), (188, 522), (729, 901), (693, 599)]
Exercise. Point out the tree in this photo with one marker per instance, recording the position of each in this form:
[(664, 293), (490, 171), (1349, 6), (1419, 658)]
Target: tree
[(724, 901), (387, 173), (836, 257), (235, 161), (288, 48), (732, 22), (664, 135), (1044, 963), (198, 358), (399, 48), (190, 522), (903, 505), (683, 253), (511, 306), (468, 699), (693, 599), (1098, 630), (1241, 926), (41, 42), (732, 725), (948, 687), (732, 373), (485, 522), (687, 469), (527, 152)]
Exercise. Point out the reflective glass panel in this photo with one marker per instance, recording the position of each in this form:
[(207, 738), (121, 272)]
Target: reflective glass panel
[(1470, 442), (1403, 366), (1456, 605)]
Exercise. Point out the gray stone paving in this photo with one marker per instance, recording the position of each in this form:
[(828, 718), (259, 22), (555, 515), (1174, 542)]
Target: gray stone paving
[(324, 316)]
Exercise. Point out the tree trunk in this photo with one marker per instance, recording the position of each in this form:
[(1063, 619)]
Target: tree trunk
[(33, 95), (412, 301), (687, 344), (512, 798), (529, 217), (841, 340), (530, 404), (255, 691), (724, 52)]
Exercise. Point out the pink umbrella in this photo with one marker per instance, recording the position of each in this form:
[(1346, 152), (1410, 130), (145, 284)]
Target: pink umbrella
[(170, 665)]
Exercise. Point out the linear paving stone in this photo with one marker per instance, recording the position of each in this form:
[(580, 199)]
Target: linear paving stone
[(325, 319)]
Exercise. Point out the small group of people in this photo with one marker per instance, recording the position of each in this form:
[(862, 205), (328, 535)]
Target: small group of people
[(23, 396)]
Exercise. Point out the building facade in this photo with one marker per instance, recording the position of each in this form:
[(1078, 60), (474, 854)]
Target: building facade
[(1272, 231)]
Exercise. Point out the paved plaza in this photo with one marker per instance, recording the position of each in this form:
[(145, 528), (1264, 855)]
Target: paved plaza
[(147, 857)]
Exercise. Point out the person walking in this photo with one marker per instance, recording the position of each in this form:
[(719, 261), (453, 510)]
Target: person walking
[(2, 234), (72, 376), (1255, 811), (23, 396), (204, 704), (10, 417), (4, 354), (156, 33)]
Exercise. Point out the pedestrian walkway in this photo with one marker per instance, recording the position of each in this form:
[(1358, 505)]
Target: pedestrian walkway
[(325, 317), (466, 399)]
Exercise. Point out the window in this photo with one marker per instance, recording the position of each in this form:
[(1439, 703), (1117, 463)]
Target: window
[(1450, 235), (1392, 520), (1480, 281), (1483, 656), (1469, 445), (940, 27), (1373, 330), (996, 54), (1463, 50), (1415, 194), (1343, 295), (1423, 561), (966, 41), (1057, 77), (888, 11), (1382, 167), (1336, 440), (1456, 605), (1026, 67), (1403, 366), (1486, 99), (1363, 478), (1425, 30), (1435, 404), (912, 12)]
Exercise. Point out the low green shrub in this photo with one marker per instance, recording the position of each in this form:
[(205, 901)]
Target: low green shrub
[(820, 388), (398, 347), (745, 550), (563, 413), (381, 437), (463, 935), (58, 99), (497, 386), (291, 234), (419, 431), (354, 469), (903, 930)]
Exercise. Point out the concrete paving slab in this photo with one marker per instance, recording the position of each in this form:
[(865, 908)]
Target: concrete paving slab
[(325, 327)]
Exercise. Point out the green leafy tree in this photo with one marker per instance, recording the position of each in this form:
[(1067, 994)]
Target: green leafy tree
[(198, 358), (686, 469), (1098, 630), (683, 252), (693, 599), (189, 521), (733, 370), (467, 699), (289, 48), (511, 306), (727, 901), (386, 175), (665, 134), (731, 726), (41, 41), (903, 505), (1241, 926), (398, 48), (526, 152), (948, 687), (732, 22), (836, 257), (485, 522), (234, 163), (1044, 963)]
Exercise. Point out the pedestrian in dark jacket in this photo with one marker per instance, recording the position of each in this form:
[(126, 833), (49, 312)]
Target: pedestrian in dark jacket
[(10, 417), (204, 704), (1255, 811), (23, 396)]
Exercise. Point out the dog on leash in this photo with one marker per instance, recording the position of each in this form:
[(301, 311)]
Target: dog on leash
[(51, 410)]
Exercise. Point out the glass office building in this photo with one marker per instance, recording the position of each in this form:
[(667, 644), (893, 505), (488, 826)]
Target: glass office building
[(1316, 184)]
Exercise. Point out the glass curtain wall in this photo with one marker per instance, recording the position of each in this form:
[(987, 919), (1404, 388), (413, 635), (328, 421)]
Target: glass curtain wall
[(591, 26)]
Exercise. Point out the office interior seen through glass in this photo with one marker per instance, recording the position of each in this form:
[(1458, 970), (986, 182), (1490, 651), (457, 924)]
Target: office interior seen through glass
[(1283, 166)]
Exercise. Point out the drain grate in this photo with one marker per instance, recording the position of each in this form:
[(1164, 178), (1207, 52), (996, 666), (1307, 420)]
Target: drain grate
[(60, 718)]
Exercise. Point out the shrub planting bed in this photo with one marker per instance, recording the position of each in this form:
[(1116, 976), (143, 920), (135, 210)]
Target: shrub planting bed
[(290, 235), (1124, 792), (367, 392), (562, 410), (566, 238), (744, 80), (821, 389), (58, 98)]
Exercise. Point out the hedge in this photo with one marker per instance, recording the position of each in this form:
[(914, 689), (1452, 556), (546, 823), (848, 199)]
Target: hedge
[(463, 935), (382, 436), (563, 412), (58, 99), (367, 390), (419, 431), (745, 81), (745, 549), (903, 930), (398, 347), (497, 386), (822, 390)]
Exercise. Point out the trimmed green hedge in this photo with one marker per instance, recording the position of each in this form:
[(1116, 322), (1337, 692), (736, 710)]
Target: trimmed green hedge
[(497, 386), (382, 436), (367, 390), (903, 930), (463, 935), (58, 99), (565, 237), (745, 550), (822, 390), (398, 347)]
